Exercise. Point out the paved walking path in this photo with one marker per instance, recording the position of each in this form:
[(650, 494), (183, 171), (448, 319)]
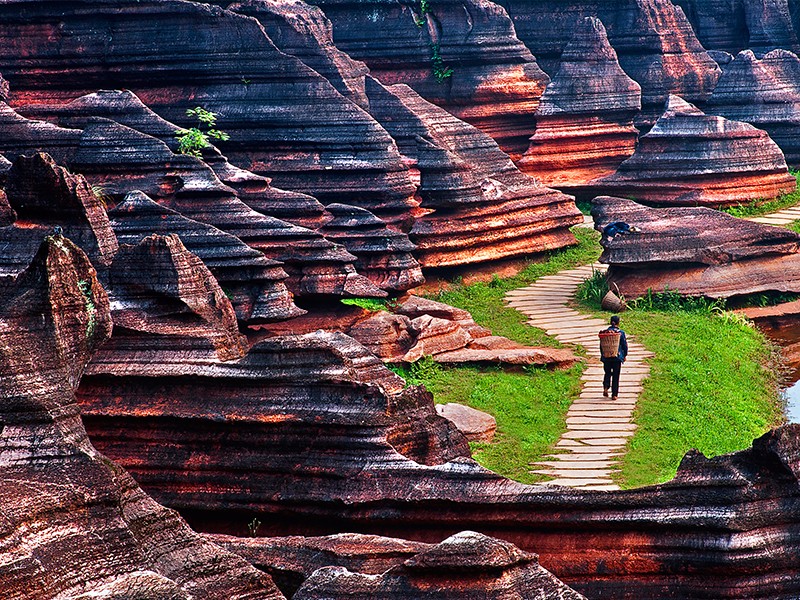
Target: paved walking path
[(780, 218), (597, 428)]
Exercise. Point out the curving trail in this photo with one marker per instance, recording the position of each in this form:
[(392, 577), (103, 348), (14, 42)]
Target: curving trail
[(597, 428)]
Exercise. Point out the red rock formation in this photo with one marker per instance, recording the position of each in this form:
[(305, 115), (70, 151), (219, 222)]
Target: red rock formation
[(253, 282), (75, 525), (467, 565), (735, 25), (477, 205), (291, 560), (125, 108), (303, 134), (764, 93), (382, 255), (420, 327), (45, 194), (19, 136), (121, 160), (584, 123), (690, 158), (696, 251), (495, 83), (653, 39)]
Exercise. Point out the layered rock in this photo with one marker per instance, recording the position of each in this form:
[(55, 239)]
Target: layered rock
[(254, 283), (290, 560), (477, 205), (419, 327), (75, 524), (460, 54), (696, 251), (121, 160), (764, 93), (689, 158), (382, 255), (20, 136), (125, 108), (465, 565), (653, 39), (584, 123), (304, 134), (735, 25)]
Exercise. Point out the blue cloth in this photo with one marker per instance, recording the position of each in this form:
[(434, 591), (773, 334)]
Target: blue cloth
[(623, 345), (615, 228)]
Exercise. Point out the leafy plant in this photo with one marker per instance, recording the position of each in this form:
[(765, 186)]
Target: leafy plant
[(593, 289), (440, 71), (193, 141), (100, 193), (424, 9)]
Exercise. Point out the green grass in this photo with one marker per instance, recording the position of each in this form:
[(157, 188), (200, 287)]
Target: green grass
[(757, 208), (529, 406), (710, 388), (794, 226), (484, 300)]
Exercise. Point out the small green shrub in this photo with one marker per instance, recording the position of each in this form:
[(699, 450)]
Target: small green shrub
[(440, 71), (592, 290), (193, 141), (373, 304)]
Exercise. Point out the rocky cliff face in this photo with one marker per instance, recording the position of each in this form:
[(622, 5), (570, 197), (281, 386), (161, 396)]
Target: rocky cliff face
[(76, 525), (690, 158), (653, 39), (584, 123)]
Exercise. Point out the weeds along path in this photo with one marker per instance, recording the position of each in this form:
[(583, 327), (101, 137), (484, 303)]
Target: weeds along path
[(598, 428)]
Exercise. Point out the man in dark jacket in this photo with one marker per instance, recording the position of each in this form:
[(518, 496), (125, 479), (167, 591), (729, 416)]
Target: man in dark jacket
[(613, 365)]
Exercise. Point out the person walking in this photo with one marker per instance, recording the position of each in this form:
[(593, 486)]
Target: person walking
[(612, 365)]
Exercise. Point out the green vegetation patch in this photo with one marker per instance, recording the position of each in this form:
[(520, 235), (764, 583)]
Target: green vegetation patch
[(529, 405), (758, 208), (710, 388)]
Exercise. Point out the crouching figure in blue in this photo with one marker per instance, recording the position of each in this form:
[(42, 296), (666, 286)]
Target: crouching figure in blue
[(613, 365)]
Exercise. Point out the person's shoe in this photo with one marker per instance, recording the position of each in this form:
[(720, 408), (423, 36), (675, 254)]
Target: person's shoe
[(605, 392), (613, 397)]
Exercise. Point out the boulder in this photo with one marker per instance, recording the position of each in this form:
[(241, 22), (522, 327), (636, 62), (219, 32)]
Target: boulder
[(763, 92), (695, 251), (689, 158), (584, 123), (466, 565), (477, 426)]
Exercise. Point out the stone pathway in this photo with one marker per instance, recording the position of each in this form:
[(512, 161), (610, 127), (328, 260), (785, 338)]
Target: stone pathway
[(780, 218), (597, 428)]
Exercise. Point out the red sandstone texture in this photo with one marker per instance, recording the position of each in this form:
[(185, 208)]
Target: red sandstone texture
[(495, 82), (653, 39), (696, 251), (75, 524), (763, 92), (689, 158), (584, 123)]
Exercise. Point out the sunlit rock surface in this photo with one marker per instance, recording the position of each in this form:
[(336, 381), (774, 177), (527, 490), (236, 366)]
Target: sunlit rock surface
[(690, 158), (696, 251), (584, 123)]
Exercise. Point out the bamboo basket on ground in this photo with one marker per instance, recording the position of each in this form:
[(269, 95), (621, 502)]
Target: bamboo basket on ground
[(613, 302), (609, 343)]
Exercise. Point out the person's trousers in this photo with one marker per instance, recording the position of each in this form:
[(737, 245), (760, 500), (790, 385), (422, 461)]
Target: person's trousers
[(612, 368)]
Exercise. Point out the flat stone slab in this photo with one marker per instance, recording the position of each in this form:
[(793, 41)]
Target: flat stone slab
[(476, 426)]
